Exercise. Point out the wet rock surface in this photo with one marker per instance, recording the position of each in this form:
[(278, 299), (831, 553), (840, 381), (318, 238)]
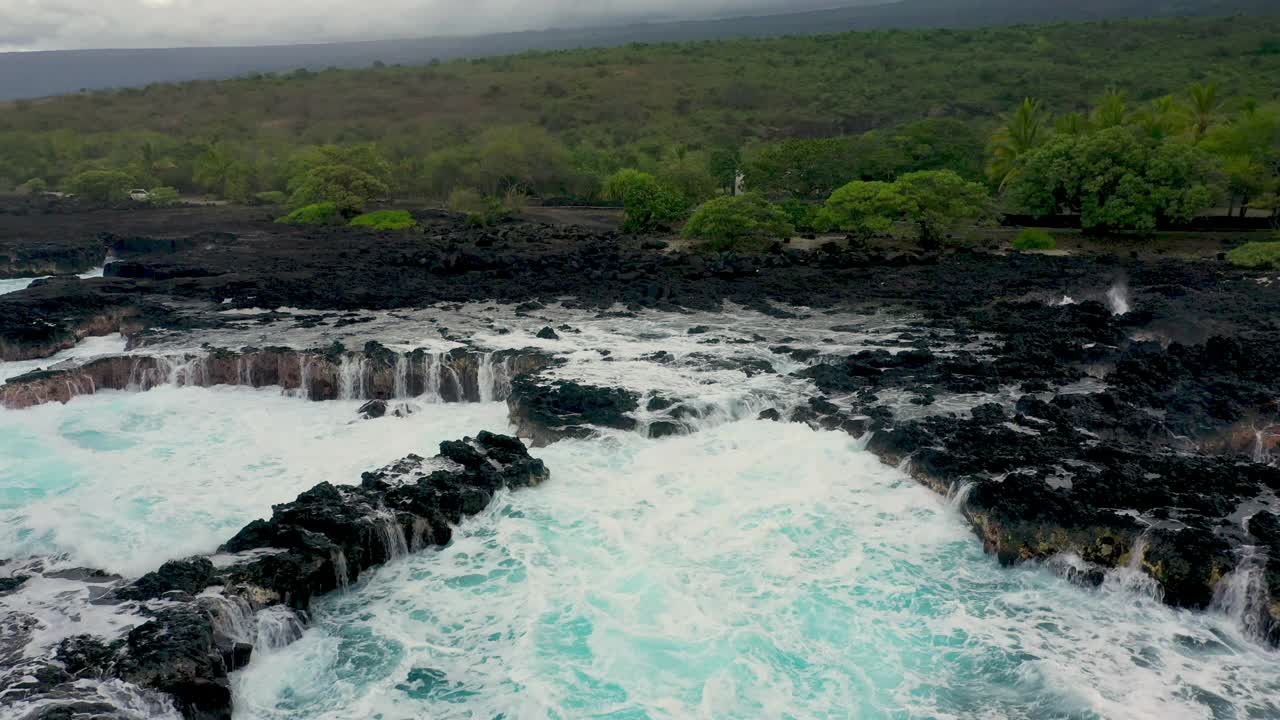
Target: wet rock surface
[(197, 616), (548, 410)]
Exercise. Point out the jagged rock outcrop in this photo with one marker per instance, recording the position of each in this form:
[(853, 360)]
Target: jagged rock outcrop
[(546, 411), (324, 540)]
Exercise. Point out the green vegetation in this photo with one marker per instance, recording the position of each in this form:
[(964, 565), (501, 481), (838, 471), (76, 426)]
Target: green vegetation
[(938, 200), (1256, 256), (1116, 179), (740, 222), (481, 210), (1034, 239), (325, 213), (34, 186), (933, 200), (873, 106), (649, 204), (385, 220), (101, 185), (271, 197), (163, 196), (1130, 125), (864, 208)]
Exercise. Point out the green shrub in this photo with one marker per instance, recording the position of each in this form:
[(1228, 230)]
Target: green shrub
[(385, 220), (345, 186), (271, 197), (738, 223), (481, 211), (1256, 255), (101, 185), (649, 204), (34, 186), (803, 215), (1034, 239), (325, 213), (864, 208), (163, 196)]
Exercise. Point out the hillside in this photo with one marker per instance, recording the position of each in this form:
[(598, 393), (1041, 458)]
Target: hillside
[(628, 106), (38, 74)]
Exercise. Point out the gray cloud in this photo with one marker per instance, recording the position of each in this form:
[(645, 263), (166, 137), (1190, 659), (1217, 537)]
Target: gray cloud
[(68, 24)]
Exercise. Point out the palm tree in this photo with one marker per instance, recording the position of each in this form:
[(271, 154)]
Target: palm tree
[(1073, 123), (1112, 110), (1025, 130), (1160, 119), (1202, 108)]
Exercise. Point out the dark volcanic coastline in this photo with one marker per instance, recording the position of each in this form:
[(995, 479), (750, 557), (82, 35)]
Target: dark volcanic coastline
[(1139, 425)]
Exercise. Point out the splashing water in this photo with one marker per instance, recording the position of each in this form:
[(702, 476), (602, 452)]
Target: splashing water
[(15, 284), (752, 570), (1118, 299), (1241, 595), (125, 481)]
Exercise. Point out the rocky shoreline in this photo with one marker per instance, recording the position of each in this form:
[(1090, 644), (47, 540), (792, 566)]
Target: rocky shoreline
[(1090, 413)]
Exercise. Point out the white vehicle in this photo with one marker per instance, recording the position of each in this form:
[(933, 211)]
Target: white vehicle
[(139, 195)]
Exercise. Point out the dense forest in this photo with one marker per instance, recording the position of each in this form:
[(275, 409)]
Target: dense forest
[(558, 124), (40, 74)]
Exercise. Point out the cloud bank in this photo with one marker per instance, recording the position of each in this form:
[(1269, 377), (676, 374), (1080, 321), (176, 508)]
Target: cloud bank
[(77, 24)]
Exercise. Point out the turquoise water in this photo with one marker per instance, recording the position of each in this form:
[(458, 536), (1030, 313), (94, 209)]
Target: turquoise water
[(125, 481), (752, 570)]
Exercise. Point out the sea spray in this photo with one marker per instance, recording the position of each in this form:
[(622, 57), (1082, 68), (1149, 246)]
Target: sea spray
[(959, 495), (194, 464), (1131, 578), (1241, 595), (339, 561), (1118, 298)]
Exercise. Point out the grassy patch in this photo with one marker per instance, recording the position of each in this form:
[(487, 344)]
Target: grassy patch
[(1034, 239), (1256, 255), (317, 214), (385, 220)]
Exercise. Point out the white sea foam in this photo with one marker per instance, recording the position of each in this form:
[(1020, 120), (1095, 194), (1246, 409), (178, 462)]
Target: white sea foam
[(89, 347), (124, 481), (15, 284), (752, 570)]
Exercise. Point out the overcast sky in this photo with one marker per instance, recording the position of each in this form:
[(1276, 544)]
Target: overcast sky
[(72, 24)]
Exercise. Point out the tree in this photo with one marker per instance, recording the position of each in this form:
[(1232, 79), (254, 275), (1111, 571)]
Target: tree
[(1249, 149), (365, 157), (1025, 130), (724, 164), (102, 186), (1073, 123), (348, 188), (1160, 119), (737, 222), (937, 200), (802, 169), (649, 204), (687, 174), (34, 186), (864, 208), (1117, 180), (1112, 110), (1202, 106), (218, 170)]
